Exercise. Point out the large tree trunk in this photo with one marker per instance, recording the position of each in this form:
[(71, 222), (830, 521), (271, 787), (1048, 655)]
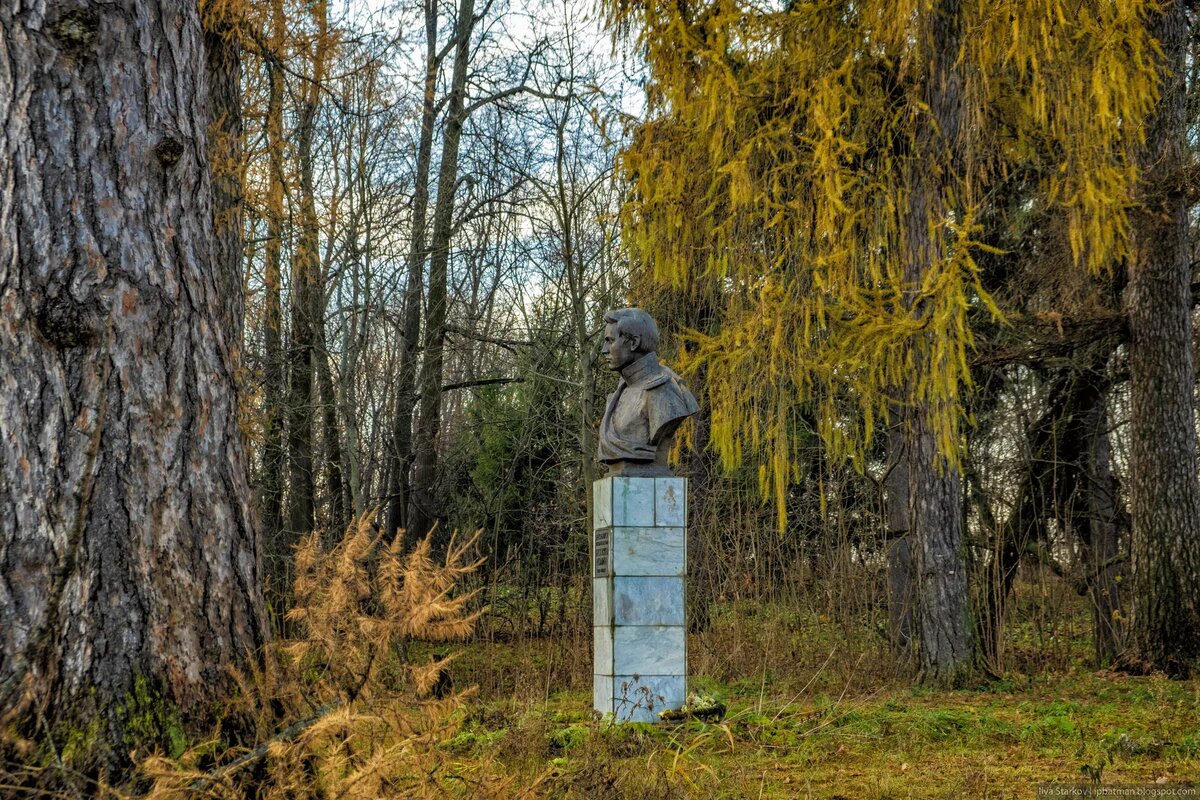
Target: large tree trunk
[(224, 57), (946, 650), (406, 371), (128, 556), (421, 514), (1163, 491)]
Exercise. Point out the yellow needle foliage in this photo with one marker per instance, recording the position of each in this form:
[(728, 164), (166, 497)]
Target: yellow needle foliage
[(338, 712), (777, 163)]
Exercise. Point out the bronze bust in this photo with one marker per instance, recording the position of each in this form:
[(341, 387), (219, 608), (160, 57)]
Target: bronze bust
[(650, 401)]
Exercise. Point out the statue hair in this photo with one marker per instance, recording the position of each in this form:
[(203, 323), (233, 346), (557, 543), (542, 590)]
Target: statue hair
[(635, 322)]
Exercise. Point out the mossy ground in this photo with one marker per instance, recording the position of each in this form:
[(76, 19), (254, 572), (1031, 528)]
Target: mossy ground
[(810, 717), (997, 741)]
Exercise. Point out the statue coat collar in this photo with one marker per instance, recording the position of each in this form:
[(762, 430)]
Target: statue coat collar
[(644, 373)]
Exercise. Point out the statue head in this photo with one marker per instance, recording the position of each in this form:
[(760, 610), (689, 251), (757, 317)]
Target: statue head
[(629, 333)]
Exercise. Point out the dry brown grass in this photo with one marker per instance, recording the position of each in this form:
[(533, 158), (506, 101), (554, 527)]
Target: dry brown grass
[(338, 711)]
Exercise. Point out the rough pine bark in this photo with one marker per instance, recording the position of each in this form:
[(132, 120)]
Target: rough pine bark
[(1164, 497), (946, 651), (945, 648), (128, 557), (224, 56)]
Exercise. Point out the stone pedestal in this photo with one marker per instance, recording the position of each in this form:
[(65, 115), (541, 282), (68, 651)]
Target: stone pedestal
[(638, 568)]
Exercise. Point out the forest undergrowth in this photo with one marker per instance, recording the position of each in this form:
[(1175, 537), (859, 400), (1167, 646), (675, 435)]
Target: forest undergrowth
[(819, 709), (399, 682)]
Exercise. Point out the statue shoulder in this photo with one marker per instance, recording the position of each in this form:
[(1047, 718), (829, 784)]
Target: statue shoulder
[(661, 379), (665, 377), (668, 388)]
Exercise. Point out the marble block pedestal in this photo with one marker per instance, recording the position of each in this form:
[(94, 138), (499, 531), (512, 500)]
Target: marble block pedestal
[(638, 569)]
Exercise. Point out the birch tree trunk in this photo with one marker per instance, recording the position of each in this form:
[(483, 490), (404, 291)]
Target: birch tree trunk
[(128, 559)]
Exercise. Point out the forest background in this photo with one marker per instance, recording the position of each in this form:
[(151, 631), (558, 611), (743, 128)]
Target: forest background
[(928, 266)]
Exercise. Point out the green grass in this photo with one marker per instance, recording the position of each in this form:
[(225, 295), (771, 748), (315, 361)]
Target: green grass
[(817, 709), (891, 743)]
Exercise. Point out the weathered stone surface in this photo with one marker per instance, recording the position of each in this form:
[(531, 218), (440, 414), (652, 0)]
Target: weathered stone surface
[(602, 693), (601, 602), (649, 650), (632, 501), (648, 551), (638, 597), (647, 600), (602, 503), (670, 502), (640, 698), (602, 646)]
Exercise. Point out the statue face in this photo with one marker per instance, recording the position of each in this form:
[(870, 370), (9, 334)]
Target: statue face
[(619, 351)]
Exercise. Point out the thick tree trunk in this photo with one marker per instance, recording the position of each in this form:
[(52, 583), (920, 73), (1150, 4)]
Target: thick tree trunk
[(224, 56), (945, 647), (1163, 490), (128, 558), (946, 650), (406, 372), (422, 511)]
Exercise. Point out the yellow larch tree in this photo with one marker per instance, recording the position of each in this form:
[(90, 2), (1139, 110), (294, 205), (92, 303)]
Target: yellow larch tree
[(822, 167)]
